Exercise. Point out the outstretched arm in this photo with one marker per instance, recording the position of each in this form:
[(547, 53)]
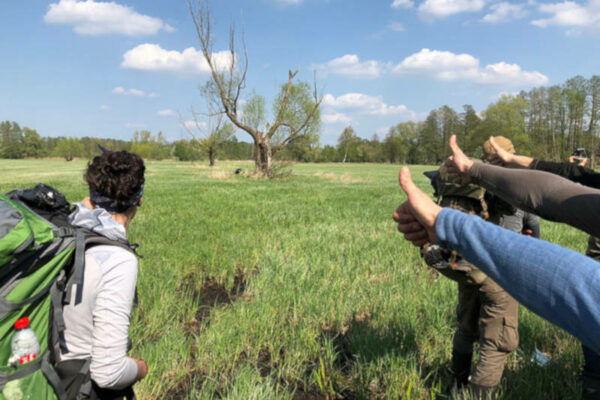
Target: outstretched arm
[(570, 171), (506, 159), (540, 275), (547, 195)]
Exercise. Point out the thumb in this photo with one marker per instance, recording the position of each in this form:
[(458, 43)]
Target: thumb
[(419, 204), (416, 198), (453, 145), (405, 179)]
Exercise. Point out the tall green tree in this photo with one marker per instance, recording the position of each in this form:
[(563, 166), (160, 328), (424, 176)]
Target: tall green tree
[(183, 150), (347, 143), (68, 148), (470, 123), (148, 146), (430, 141), (400, 144), (32, 143), (506, 118), (11, 140)]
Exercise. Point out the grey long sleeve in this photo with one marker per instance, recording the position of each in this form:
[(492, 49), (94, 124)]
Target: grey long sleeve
[(542, 193)]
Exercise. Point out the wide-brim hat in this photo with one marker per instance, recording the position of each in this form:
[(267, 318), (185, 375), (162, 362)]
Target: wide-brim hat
[(502, 142)]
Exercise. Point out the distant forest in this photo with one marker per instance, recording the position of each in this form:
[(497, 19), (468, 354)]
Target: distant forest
[(546, 122)]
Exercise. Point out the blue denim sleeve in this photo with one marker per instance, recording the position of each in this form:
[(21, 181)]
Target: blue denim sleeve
[(558, 284)]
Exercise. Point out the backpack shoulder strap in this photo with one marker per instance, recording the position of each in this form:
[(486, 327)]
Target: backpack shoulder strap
[(84, 239), (62, 292)]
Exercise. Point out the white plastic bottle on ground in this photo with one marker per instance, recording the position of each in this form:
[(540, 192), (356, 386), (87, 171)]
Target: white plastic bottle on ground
[(24, 344)]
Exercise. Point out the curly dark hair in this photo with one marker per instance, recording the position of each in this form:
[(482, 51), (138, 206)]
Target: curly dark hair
[(118, 175)]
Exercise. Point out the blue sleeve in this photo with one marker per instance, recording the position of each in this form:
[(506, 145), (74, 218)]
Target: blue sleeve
[(558, 284)]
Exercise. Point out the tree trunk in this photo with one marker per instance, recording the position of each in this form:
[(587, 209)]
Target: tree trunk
[(263, 158), (211, 157)]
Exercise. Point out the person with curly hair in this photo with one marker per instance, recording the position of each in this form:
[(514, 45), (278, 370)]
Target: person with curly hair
[(97, 328)]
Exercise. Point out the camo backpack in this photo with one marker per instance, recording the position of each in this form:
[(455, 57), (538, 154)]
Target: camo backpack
[(452, 192)]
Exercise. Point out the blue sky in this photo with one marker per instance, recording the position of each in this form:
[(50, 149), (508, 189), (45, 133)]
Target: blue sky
[(107, 69)]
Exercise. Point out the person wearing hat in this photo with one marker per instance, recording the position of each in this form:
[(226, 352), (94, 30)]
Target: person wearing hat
[(486, 313), (97, 328), (556, 283)]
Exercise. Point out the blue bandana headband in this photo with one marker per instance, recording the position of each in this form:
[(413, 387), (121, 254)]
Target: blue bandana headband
[(110, 205)]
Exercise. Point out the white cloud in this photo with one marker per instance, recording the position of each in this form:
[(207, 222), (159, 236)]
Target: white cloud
[(437, 9), (104, 107), (152, 57), (570, 14), (447, 66), (365, 104), (99, 18), (402, 4), (166, 113), (128, 92), (350, 66), (191, 124), (335, 118), (132, 125), (396, 27), (153, 94), (504, 12)]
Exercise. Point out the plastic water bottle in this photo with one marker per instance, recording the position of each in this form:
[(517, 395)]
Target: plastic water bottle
[(24, 344)]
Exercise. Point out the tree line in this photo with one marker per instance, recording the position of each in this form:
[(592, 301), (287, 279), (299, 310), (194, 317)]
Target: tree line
[(545, 122), (17, 142)]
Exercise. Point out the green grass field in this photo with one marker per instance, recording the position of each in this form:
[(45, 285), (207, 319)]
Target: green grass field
[(299, 288)]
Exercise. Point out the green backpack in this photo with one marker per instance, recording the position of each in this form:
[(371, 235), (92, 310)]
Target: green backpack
[(41, 261)]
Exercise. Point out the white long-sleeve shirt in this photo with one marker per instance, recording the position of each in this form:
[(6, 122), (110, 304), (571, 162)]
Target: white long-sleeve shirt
[(98, 327)]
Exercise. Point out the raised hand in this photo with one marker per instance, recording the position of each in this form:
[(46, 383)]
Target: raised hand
[(501, 156), (416, 217), (458, 159)]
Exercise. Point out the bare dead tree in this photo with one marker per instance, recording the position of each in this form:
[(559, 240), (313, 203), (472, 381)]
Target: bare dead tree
[(294, 115)]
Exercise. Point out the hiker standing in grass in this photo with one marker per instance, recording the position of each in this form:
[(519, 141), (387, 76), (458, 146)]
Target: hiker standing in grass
[(486, 313), (96, 334), (556, 283)]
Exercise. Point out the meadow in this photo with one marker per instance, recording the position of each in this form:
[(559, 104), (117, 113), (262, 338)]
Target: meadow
[(297, 288)]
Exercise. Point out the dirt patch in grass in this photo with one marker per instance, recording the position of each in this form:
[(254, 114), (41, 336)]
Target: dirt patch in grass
[(214, 294), (211, 294)]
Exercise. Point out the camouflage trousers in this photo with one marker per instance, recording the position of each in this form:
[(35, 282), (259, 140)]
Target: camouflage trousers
[(489, 315)]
